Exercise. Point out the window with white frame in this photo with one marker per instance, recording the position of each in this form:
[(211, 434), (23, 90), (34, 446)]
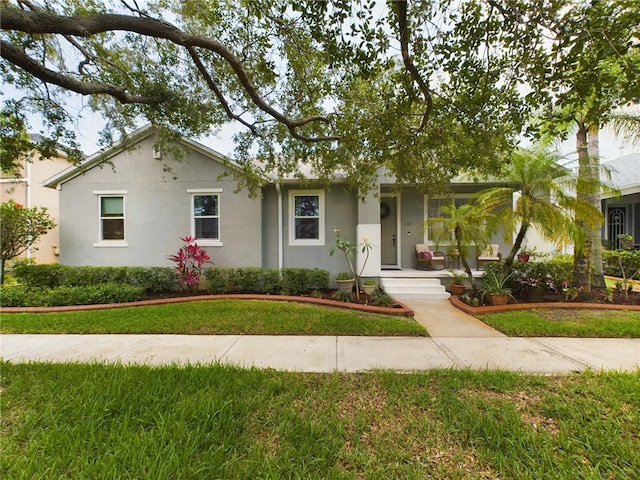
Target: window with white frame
[(434, 210), (205, 215), (306, 217), (111, 212)]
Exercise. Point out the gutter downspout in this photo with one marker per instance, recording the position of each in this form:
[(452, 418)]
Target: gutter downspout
[(29, 196), (280, 232)]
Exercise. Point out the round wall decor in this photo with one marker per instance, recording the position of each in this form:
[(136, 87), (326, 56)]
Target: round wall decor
[(384, 210)]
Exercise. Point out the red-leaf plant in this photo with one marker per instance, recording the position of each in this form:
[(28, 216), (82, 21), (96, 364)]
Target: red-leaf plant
[(190, 261)]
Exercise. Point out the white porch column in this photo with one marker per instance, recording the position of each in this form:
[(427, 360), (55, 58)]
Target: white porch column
[(369, 226)]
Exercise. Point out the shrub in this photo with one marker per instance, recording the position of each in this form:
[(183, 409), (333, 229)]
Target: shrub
[(93, 294), (189, 263), (89, 275), (20, 296), (41, 275), (248, 279), (295, 280), (260, 280), (381, 298), (614, 261), (318, 279), (154, 279), (272, 282), (15, 296), (216, 278), (341, 296)]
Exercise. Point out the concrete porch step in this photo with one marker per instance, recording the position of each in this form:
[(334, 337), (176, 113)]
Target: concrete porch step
[(414, 288)]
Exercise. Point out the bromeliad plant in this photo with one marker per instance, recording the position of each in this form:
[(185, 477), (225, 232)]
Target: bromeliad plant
[(190, 261)]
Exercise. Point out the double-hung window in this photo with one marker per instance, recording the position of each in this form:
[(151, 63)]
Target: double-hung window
[(306, 219), (434, 209), (111, 208), (205, 216)]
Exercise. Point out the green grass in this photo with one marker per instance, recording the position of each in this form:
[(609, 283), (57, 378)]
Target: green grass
[(79, 421), (566, 323), (219, 317)]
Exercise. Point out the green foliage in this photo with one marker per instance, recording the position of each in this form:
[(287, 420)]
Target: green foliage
[(271, 281), (342, 296), (153, 279), (344, 276), (247, 279), (295, 280), (318, 279), (496, 283), (381, 298), (471, 224), (216, 279), (259, 280), (20, 229), (20, 296), (45, 275), (615, 261)]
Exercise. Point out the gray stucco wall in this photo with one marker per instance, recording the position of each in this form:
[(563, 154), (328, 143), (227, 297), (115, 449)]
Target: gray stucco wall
[(157, 212), (341, 209)]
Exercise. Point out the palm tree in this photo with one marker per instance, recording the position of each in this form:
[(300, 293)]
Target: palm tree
[(470, 224), (545, 198)]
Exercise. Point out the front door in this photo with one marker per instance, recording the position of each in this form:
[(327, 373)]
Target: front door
[(389, 231)]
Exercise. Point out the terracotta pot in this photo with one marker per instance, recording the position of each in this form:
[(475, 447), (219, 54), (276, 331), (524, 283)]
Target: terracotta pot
[(523, 257), (457, 289), (497, 299)]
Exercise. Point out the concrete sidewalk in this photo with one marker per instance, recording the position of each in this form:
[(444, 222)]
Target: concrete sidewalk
[(458, 341)]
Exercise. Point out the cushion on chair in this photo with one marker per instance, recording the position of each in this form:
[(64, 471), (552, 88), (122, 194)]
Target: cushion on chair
[(490, 253), (421, 247), (426, 255)]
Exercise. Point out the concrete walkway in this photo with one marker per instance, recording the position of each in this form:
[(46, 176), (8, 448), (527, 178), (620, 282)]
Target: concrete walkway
[(458, 341)]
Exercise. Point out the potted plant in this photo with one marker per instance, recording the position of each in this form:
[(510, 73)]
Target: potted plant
[(345, 281), (349, 249), (496, 287), (457, 285), (369, 286), (525, 254)]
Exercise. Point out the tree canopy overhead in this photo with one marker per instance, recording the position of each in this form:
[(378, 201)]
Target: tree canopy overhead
[(425, 89), (349, 85)]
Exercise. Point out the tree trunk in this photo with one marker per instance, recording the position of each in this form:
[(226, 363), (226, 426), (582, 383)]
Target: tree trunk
[(467, 268), (583, 240), (516, 245), (596, 236)]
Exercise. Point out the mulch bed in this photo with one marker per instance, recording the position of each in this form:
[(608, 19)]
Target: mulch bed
[(596, 299)]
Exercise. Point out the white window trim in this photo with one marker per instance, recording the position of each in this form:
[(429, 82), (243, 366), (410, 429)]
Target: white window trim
[(111, 243), (206, 242), (292, 230), (427, 240)]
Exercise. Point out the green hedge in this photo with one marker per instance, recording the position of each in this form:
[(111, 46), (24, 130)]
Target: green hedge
[(614, 261), (21, 296), (261, 280), (153, 279)]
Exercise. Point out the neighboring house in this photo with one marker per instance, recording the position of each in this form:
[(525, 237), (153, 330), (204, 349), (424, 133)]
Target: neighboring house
[(26, 189), (622, 214), (135, 214)]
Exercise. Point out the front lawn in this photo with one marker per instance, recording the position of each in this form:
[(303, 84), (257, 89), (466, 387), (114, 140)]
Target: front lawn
[(79, 421), (216, 317), (558, 322)]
